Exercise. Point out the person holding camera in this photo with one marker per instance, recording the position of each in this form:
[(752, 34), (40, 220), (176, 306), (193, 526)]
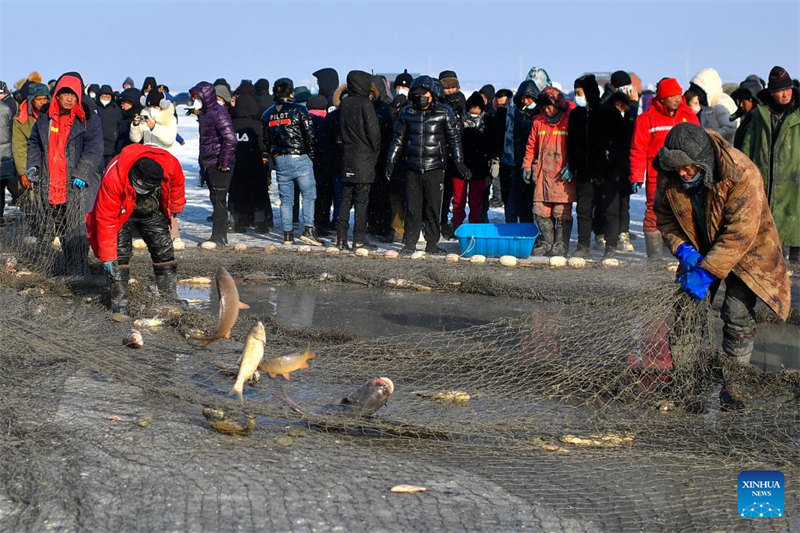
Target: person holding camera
[(156, 124)]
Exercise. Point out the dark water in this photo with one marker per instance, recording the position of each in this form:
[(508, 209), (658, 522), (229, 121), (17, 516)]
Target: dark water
[(376, 313)]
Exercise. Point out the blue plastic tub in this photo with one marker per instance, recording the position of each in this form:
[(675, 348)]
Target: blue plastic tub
[(494, 240)]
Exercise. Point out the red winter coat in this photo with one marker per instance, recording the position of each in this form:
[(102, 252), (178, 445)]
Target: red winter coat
[(649, 133), (116, 199)]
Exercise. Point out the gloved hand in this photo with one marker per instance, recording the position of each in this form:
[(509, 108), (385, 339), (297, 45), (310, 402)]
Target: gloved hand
[(635, 187), (33, 174), (565, 174), (697, 282), (688, 256), (389, 171), (108, 267), (526, 176), (78, 183), (463, 171)]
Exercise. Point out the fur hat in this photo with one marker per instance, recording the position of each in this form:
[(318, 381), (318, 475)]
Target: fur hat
[(475, 100), (687, 144), (449, 79), (403, 80), (35, 77)]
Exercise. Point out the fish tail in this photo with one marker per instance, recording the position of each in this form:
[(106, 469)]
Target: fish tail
[(207, 341), (304, 365), (237, 389)]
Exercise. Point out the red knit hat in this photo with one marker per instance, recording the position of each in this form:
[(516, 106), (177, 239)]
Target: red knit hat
[(668, 87)]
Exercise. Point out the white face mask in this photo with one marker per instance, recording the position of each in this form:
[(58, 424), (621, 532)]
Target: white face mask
[(92, 95), (197, 104), (105, 102), (221, 102), (154, 111), (402, 90), (695, 109), (580, 101)]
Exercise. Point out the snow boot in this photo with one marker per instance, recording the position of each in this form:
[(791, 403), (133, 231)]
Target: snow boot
[(167, 281), (654, 244), (544, 243), (119, 289), (559, 248)]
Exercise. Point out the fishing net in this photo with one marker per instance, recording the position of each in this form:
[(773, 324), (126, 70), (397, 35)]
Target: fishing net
[(595, 410)]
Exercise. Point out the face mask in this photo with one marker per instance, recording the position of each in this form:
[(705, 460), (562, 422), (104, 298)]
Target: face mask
[(580, 101), (475, 116), (221, 102), (694, 182), (402, 90), (197, 104), (695, 109), (154, 111), (105, 102), (92, 95), (420, 102), (530, 107)]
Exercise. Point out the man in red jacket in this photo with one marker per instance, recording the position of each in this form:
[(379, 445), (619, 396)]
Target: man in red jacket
[(142, 187), (652, 127)]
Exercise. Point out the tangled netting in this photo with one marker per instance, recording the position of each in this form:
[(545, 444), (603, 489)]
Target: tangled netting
[(595, 411)]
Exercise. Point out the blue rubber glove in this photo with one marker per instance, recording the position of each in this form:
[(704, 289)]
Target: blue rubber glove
[(688, 256), (697, 282), (108, 267), (33, 174), (565, 174), (635, 187), (78, 183), (526, 176)]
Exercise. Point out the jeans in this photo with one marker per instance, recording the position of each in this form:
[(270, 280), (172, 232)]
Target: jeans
[(292, 170)]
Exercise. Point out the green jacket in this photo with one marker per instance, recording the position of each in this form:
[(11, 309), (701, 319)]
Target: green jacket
[(779, 163), (20, 131)]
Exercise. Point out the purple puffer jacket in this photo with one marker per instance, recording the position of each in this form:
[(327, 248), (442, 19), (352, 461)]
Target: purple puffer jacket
[(217, 135)]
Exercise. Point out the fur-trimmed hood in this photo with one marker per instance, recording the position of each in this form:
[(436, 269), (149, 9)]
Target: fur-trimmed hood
[(710, 81)]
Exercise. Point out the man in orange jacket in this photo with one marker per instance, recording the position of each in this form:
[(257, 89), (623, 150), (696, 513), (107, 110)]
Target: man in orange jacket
[(667, 110), (142, 187)]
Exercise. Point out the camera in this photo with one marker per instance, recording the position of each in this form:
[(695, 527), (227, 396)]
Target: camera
[(143, 118)]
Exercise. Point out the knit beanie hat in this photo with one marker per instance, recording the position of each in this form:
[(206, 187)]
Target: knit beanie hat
[(668, 87), (779, 79), (146, 174), (620, 78), (153, 99), (687, 144)]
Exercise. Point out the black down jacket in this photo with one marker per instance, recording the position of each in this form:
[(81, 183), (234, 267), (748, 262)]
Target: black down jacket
[(360, 131), (288, 129), (424, 137)]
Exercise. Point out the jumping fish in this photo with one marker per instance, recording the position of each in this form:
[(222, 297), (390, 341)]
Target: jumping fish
[(251, 356), (229, 306), (368, 398), (284, 365)]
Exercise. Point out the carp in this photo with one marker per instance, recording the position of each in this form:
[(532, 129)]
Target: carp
[(368, 398), (229, 306), (251, 356), (284, 365)]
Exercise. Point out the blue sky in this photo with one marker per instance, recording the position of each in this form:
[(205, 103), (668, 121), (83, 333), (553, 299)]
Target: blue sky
[(183, 42)]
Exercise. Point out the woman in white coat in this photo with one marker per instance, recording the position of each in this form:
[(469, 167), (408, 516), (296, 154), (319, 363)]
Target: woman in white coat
[(716, 106)]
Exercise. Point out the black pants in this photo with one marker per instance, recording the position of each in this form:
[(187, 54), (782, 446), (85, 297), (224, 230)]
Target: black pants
[(322, 205), (521, 198), (380, 211), (218, 184), (505, 175), (424, 191), (447, 195), (588, 194), (353, 194), (154, 230)]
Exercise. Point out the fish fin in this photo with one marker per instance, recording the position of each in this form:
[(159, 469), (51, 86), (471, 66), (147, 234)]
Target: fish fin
[(206, 342), (310, 355), (237, 392), (243, 305), (272, 374), (287, 375)]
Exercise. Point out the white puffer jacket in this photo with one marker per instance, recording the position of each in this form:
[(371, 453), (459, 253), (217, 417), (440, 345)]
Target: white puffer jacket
[(163, 134), (716, 116)]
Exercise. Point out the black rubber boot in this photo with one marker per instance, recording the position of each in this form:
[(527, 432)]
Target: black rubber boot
[(558, 248), (545, 241), (119, 289), (654, 244), (288, 238), (167, 281)]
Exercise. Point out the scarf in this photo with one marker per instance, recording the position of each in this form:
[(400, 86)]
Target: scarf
[(60, 126)]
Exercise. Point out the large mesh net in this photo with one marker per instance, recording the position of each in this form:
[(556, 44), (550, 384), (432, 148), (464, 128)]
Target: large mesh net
[(596, 410)]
